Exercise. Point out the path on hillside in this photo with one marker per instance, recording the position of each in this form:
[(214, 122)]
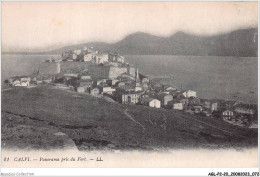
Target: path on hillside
[(130, 117), (7, 89), (190, 117)]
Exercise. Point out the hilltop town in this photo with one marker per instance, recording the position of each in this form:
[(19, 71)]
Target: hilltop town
[(107, 75)]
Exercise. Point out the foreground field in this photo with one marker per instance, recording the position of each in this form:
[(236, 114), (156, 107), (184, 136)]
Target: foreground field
[(46, 118)]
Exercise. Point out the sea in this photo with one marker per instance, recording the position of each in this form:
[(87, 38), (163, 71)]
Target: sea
[(231, 78)]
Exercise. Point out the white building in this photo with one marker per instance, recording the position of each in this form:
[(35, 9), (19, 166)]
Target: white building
[(94, 91), (169, 88), (74, 56), (80, 89), (71, 75), (138, 88), (120, 59), (47, 81), (101, 81), (151, 102), (77, 52), (177, 106), (189, 93), (108, 90), (130, 98), (25, 79), (16, 83), (102, 58), (86, 77), (214, 106), (227, 114), (121, 84), (25, 83), (88, 57)]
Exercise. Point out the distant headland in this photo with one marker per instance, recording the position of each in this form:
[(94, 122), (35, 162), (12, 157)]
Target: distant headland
[(240, 43)]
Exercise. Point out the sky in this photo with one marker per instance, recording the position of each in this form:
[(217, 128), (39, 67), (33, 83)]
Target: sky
[(41, 26)]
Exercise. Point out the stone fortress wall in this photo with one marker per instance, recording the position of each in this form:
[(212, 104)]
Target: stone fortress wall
[(95, 71)]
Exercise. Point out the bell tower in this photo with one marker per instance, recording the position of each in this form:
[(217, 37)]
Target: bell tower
[(137, 81), (58, 67)]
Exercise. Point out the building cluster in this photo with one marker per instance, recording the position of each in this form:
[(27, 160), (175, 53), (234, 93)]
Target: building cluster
[(141, 90), (22, 81), (240, 114), (27, 81), (89, 55), (128, 86)]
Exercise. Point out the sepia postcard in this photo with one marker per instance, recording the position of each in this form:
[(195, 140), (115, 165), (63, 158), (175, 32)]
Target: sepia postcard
[(130, 85)]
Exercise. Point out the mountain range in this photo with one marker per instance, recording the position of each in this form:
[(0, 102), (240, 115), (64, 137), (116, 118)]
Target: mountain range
[(241, 43)]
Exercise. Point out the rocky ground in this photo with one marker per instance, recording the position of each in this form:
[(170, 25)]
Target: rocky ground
[(24, 133)]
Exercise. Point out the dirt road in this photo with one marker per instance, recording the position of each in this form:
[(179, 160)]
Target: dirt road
[(131, 118)]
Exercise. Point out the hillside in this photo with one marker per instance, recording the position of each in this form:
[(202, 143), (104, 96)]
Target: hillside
[(237, 43), (94, 123), (241, 43)]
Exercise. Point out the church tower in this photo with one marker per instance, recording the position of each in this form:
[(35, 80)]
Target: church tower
[(137, 81), (137, 78), (58, 67)]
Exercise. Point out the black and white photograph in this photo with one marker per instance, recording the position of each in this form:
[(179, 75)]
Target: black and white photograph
[(129, 84)]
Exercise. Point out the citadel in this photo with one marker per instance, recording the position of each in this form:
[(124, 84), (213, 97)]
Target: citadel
[(99, 64)]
